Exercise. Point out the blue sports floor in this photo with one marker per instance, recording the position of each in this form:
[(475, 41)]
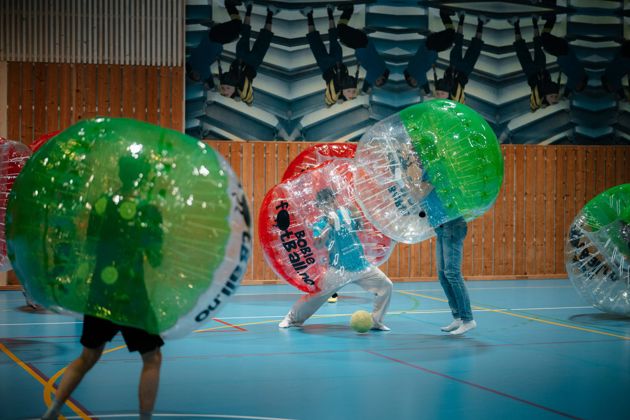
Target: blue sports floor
[(538, 352)]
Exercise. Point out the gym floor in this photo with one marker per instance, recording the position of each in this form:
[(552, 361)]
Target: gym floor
[(539, 352)]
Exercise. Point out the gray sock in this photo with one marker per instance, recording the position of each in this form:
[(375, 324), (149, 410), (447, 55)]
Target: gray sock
[(145, 415)]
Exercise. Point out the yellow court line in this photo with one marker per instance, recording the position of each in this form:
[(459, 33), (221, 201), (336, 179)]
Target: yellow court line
[(41, 380), (114, 349), (48, 387), (222, 327), (531, 318)]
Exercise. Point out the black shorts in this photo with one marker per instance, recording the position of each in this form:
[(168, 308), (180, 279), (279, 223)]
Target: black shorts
[(97, 332)]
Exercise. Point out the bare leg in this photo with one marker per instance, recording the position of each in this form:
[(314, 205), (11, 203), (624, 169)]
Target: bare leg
[(72, 377), (77, 370), (149, 380)]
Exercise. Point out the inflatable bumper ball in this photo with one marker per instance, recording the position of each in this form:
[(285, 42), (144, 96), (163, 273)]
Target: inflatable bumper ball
[(597, 251), (311, 225), (129, 222), (41, 140), (13, 156), (428, 164), (318, 154)]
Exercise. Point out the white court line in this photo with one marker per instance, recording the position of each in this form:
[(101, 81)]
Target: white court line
[(441, 311), (40, 323), (545, 309)]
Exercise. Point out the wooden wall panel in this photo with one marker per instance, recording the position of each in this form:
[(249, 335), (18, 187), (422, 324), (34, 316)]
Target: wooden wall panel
[(549, 195), (540, 220), (247, 165), (522, 236), (44, 97), (153, 98), (14, 100), (67, 85), (26, 105), (39, 99), (506, 221), (140, 93), (519, 211), (51, 110), (176, 98), (560, 198), (79, 93), (90, 89)]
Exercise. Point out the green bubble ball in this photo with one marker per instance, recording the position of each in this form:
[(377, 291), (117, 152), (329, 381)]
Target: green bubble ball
[(431, 163), (127, 221)]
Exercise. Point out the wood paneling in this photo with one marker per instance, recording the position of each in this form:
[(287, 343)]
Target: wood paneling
[(44, 97)]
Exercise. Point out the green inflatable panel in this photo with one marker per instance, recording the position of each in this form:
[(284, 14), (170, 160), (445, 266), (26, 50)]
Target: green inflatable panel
[(130, 222)]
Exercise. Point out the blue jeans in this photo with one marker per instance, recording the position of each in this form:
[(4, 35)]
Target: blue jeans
[(448, 250)]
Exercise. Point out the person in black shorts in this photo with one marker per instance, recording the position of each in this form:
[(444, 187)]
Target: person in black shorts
[(123, 232), (96, 333)]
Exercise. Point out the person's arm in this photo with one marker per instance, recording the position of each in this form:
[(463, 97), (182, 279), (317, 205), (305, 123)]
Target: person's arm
[(321, 229), (420, 187)]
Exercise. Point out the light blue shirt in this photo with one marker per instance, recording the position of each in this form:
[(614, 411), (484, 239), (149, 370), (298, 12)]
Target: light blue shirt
[(345, 251)]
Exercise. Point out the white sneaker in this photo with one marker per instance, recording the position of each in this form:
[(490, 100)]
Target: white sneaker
[(380, 327), (287, 322), (453, 325), (466, 326)]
